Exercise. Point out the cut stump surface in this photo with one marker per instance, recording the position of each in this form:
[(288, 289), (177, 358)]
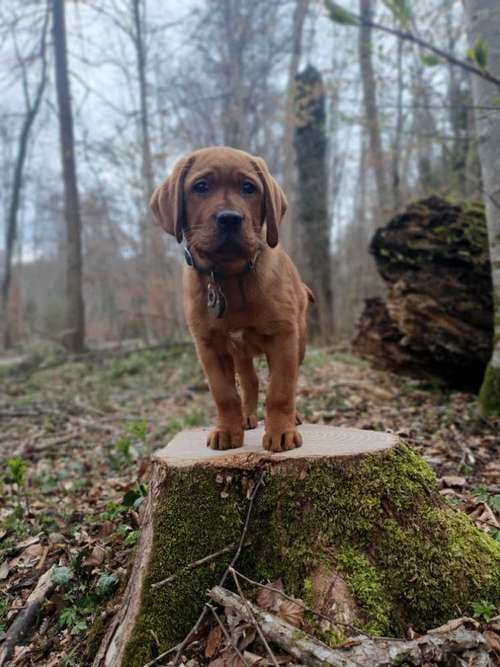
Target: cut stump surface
[(352, 522), (189, 447)]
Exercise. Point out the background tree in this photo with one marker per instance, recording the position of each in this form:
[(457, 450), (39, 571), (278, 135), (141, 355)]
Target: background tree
[(312, 211), (483, 28), (32, 106), (74, 335), (370, 104)]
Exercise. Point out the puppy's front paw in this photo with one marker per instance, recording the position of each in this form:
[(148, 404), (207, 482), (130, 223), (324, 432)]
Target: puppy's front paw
[(281, 441), (221, 439), (250, 421)]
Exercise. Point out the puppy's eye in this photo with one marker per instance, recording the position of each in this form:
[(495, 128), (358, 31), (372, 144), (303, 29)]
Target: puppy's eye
[(201, 186), (248, 188)]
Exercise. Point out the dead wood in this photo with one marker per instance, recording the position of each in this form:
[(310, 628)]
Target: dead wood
[(26, 618), (437, 319), (439, 645)]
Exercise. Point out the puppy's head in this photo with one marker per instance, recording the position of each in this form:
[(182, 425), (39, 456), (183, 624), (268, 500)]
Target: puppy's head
[(219, 199)]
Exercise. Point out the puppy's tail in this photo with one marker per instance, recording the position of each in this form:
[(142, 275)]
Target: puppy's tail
[(310, 294)]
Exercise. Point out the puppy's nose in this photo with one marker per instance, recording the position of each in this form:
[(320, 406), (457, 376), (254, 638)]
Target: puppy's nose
[(229, 218)]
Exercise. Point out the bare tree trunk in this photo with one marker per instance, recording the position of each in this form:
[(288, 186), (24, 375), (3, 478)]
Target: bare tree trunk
[(147, 163), (152, 260), (370, 104), (459, 99), (396, 157), (75, 322), (483, 23), (32, 109), (234, 112), (310, 144), (424, 129), (473, 177), (289, 173)]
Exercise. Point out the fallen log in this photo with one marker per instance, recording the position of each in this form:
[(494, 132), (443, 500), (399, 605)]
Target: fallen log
[(437, 319), (438, 646), (349, 504)]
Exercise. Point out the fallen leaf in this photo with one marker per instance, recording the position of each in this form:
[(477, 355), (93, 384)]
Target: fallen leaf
[(493, 640), (292, 612), (4, 569), (96, 557), (268, 599), (214, 641)]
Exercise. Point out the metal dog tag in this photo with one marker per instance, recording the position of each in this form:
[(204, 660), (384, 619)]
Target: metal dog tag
[(216, 301)]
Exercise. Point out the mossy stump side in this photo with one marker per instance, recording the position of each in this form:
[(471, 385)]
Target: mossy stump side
[(359, 505), (489, 396)]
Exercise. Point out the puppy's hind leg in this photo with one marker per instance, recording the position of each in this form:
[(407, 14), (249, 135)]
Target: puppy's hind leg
[(249, 383)]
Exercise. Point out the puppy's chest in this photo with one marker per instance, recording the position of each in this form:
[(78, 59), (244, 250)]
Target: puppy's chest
[(246, 340)]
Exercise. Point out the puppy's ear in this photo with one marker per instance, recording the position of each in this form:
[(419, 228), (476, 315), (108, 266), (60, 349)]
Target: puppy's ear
[(167, 201), (275, 203)]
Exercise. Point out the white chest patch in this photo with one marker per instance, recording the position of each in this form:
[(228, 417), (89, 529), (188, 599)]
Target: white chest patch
[(236, 335)]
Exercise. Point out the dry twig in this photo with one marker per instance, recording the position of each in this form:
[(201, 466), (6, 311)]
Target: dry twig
[(196, 563), (253, 618)]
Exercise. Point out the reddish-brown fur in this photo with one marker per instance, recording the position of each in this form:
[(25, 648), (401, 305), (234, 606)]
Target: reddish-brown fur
[(266, 312)]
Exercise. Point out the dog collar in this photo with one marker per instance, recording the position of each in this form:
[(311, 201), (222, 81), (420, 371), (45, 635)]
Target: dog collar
[(216, 299), (214, 271)]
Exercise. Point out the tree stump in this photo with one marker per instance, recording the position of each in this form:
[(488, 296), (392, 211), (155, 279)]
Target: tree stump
[(352, 523)]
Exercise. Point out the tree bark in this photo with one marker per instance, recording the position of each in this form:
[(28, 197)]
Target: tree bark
[(310, 145), (74, 336), (290, 229), (152, 260), (437, 320), (441, 644), (32, 110), (370, 104), (483, 23), (396, 157)]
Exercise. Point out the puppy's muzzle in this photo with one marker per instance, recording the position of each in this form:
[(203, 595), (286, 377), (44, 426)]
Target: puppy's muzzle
[(228, 219)]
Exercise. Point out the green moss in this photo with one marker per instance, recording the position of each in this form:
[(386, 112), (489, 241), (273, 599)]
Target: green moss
[(183, 535), (368, 589), (379, 520), (489, 396)]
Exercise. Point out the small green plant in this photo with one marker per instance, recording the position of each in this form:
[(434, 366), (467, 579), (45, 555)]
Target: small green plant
[(195, 418), (131, 538), (467, 469), (106, 584), (62, 575), (70, 660), (484, 610), (495, 534), (16, 470), (139, 430), (135, 496), (122, 446), (71, 618), (191, 420), (484, 496), (481, 493), (4, 610)]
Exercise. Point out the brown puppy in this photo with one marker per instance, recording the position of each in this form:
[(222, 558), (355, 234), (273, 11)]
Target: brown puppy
[(242, 294)]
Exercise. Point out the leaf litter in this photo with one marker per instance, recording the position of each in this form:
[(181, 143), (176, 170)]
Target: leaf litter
[(74, 445)]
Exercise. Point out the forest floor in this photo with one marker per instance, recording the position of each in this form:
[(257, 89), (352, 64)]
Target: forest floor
[(74, 443)]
